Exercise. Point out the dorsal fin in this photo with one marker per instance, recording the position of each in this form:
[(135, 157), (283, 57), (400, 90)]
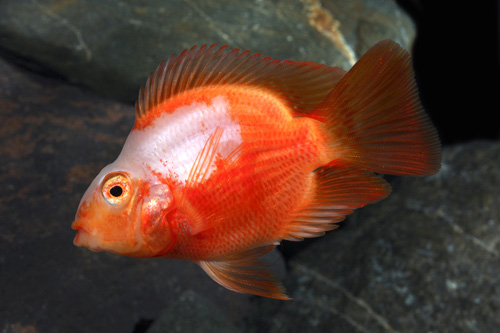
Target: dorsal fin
[(302, 84)]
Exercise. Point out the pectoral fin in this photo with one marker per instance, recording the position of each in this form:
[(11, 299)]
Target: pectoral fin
[(201, 192)]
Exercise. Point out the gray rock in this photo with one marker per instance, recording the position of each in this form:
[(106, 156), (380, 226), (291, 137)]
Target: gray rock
[(192, 313), (111, 46), (423, 260)]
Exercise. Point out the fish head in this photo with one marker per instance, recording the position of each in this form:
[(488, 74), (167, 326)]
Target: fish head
[(125, 214)]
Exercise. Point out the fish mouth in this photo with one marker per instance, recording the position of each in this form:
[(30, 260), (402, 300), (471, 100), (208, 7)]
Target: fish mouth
[(84, 237), (77, 225)]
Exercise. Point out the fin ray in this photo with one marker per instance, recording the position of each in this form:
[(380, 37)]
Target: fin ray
[(336, 193), (376, 119), (303, 85), (194, 186), (245, 272)]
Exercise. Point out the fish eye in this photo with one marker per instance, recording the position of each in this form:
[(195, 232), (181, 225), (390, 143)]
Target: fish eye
[(116, 189)]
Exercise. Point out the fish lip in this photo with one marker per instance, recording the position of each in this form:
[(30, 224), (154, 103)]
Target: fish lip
[(83, 237), (82, 234), (78, 225)]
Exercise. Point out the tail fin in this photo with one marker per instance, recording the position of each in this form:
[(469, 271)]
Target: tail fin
[(375, 118)]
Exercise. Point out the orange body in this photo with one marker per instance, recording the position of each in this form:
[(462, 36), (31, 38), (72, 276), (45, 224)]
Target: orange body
[(232, 153), (270, 180)]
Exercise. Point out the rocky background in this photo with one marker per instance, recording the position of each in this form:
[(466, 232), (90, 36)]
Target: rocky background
[(424, 260)]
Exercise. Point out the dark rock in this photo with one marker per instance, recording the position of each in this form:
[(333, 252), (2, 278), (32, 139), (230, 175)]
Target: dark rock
[(192, 313), (112, 46), (423, 260)]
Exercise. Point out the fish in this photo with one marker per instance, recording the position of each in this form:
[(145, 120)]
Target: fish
[(233, 152)]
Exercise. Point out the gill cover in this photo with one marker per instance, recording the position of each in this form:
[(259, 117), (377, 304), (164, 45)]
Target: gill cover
[(155, 228)]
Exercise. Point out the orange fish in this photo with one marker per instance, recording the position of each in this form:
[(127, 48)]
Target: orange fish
[(232, 152)]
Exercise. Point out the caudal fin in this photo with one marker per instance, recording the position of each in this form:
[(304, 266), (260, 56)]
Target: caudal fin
[(375, 118)]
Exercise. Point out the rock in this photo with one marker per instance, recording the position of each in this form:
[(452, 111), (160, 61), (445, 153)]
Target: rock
[(423, 260), (192, 313), (113, 49)]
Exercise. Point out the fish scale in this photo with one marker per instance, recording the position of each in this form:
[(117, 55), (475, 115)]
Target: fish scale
[(280, 160)]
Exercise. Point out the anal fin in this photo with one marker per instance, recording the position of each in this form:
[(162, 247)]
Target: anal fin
[(335, 193), (246, 273)]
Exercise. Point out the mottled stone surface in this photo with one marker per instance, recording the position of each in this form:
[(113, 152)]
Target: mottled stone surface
[(192, 313), (424, 260), (111, 46)]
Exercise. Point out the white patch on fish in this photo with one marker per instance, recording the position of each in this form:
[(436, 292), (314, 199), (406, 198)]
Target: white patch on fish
[(171, 143)]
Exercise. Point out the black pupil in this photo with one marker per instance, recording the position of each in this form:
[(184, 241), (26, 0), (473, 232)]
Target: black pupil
[(116, 191)]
